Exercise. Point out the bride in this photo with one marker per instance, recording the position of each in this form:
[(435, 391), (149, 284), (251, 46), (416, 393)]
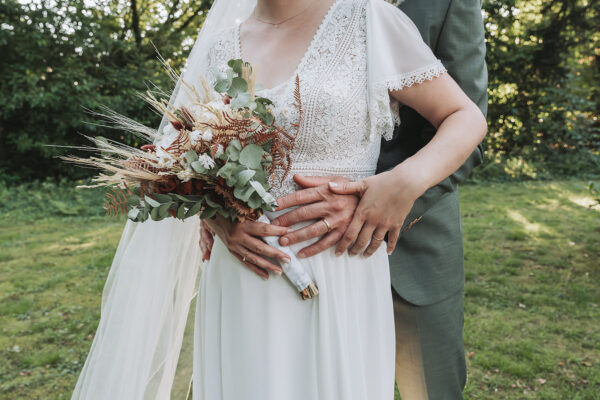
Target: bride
[(255, 338)]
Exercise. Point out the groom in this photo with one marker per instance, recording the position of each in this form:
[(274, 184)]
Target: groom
[(427, 268)]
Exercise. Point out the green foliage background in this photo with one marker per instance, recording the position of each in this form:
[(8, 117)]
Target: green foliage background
[(60, 56), (544, 86)]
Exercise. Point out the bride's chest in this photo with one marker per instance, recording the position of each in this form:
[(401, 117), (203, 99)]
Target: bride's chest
[(332, 81)]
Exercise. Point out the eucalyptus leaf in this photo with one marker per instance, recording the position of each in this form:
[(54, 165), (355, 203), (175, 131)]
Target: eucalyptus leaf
[(255, 201), (236, 65), (195, 209), (240, 101), (208, 213), (260, 176), (144, 214), (233, 150), (210, 202), (259, 108), (181, 211), (180, 197), (190, 156), (244, 176), (198, 167), (222, 85), (161, 198), (163, 210), (267, 118), (266, 196), (229, 172), (263, 100), (154, 214), (238, 86), (151, 201), (251, 156), (243, 193), (225, 212), (133, 213)]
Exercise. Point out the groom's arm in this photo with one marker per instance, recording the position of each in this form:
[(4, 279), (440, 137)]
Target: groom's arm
[(461, 48)]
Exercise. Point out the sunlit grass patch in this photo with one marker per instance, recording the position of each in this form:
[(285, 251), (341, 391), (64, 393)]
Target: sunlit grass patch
[(531, 296)]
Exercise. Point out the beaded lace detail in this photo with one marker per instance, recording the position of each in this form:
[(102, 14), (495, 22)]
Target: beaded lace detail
[(336, 136)]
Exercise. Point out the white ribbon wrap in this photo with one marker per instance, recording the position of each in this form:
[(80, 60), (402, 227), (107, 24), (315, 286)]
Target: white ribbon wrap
[(294, 270)]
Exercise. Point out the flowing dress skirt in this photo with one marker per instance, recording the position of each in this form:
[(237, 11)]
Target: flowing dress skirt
[(258, 340)]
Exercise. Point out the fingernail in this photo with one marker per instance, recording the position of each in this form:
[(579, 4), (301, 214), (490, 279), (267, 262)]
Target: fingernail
[(284, 241), (338, 253), (333, 184), (390, 252), (278, 272), (286, 260)]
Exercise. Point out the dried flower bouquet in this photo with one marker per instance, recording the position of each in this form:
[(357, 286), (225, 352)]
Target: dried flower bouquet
[(216, 155)]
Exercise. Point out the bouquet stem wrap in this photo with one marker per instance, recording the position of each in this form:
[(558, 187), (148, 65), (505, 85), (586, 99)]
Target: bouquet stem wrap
[(294, 270)]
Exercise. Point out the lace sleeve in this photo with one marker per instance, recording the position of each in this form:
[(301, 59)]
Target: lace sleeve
[(397, 58)]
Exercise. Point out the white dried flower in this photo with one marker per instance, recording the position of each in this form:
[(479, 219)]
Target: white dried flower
[(220, 151), (207, 135), (195, 135), (165, 159), (185, 175), (207, 161)]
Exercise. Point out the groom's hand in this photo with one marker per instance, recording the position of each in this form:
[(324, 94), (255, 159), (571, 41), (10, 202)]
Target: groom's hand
[(316, 201)]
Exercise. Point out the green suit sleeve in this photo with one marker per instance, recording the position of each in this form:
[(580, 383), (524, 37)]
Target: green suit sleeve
[(461, 48)]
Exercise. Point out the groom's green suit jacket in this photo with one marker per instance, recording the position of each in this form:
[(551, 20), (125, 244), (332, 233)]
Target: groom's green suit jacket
[(427, 264)]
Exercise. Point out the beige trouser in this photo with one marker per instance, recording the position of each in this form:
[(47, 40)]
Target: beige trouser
[(430, 362)]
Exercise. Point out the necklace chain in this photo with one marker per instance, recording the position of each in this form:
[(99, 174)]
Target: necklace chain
[(276, 24)]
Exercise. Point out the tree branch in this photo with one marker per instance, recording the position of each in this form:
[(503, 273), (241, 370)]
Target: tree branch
[(184, 24), (135, 22)]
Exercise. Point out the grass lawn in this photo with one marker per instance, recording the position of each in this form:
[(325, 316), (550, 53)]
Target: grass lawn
[(532, 290)]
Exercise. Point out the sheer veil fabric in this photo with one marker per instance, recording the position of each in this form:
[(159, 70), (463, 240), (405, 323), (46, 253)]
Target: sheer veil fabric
[(153, 277)]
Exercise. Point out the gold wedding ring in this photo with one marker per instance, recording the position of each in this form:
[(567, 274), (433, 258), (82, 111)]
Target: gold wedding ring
[(328, 226), (378, 239)]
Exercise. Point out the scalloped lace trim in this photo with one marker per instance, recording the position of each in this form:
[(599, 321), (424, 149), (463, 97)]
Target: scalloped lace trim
[(427, 73)]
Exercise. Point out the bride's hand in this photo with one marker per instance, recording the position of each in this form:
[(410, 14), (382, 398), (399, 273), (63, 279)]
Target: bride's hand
[(386, 200), (206, 240), (316, 202), (243, 239)]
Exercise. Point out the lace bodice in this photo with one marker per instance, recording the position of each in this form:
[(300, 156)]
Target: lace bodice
[(334, 137)]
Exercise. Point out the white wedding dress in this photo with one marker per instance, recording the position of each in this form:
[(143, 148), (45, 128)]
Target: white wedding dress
[(258, 340), (255, 339)]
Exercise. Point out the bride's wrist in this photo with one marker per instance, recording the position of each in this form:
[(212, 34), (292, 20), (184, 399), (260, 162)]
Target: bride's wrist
[(411, 178)]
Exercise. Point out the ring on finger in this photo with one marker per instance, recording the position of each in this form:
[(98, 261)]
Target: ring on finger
[(378, 239), (328, 225)]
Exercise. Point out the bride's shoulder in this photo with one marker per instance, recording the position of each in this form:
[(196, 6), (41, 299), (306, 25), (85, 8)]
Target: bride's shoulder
[(221, 37), (221, 45), (377, 9), (387, 15)]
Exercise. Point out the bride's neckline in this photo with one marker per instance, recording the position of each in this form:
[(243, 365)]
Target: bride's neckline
[(328, 14)]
